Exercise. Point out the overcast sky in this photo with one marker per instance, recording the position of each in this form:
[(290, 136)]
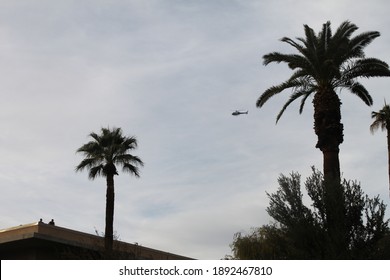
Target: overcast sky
[(169, 72)]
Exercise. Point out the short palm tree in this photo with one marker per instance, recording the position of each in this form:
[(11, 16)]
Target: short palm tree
[(325, 62), (382, 121), (102, 155)]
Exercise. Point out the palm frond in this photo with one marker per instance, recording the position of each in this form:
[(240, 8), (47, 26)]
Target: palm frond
[(127, 158), (311, 40), (90, 150), (376, 125), (381, 119), (300, 74), (87, 163), (96, 171), (299, 47), (95, 136), (129, 168), (325, 36), (359, 42), (304, 100), (367, 68), (360, 91), (290, 59), (107, 149), (293, 97), (130, 143), (275, 90), (345, 30)]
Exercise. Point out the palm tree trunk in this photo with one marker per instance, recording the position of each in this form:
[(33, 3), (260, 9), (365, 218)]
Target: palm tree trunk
[(388, 151), (109, 232), (329, 130)]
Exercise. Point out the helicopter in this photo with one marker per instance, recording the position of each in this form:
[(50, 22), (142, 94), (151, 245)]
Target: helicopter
[(236, 113)]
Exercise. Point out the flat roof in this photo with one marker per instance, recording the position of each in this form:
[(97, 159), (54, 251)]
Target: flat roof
[(53, 233)]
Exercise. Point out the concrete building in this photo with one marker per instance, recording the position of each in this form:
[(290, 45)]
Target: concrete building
[(46, 241)]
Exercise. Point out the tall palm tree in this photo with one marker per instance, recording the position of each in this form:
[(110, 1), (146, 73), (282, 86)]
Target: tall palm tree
[(324, 63), (106, 151), (382, 121)]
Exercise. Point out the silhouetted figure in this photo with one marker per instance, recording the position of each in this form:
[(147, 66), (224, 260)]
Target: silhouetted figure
[(51, 222)]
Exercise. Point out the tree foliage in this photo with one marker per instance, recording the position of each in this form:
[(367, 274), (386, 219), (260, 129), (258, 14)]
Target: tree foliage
[(107, 150), (300, 231), (381, 119)]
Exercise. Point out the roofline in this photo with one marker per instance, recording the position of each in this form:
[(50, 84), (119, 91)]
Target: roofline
[(71, 237)]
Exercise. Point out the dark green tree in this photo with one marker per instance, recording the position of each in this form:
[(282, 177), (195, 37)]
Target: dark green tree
[(300, 232), (102, 155), (267, 242), (323, 64), (382, 120)]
